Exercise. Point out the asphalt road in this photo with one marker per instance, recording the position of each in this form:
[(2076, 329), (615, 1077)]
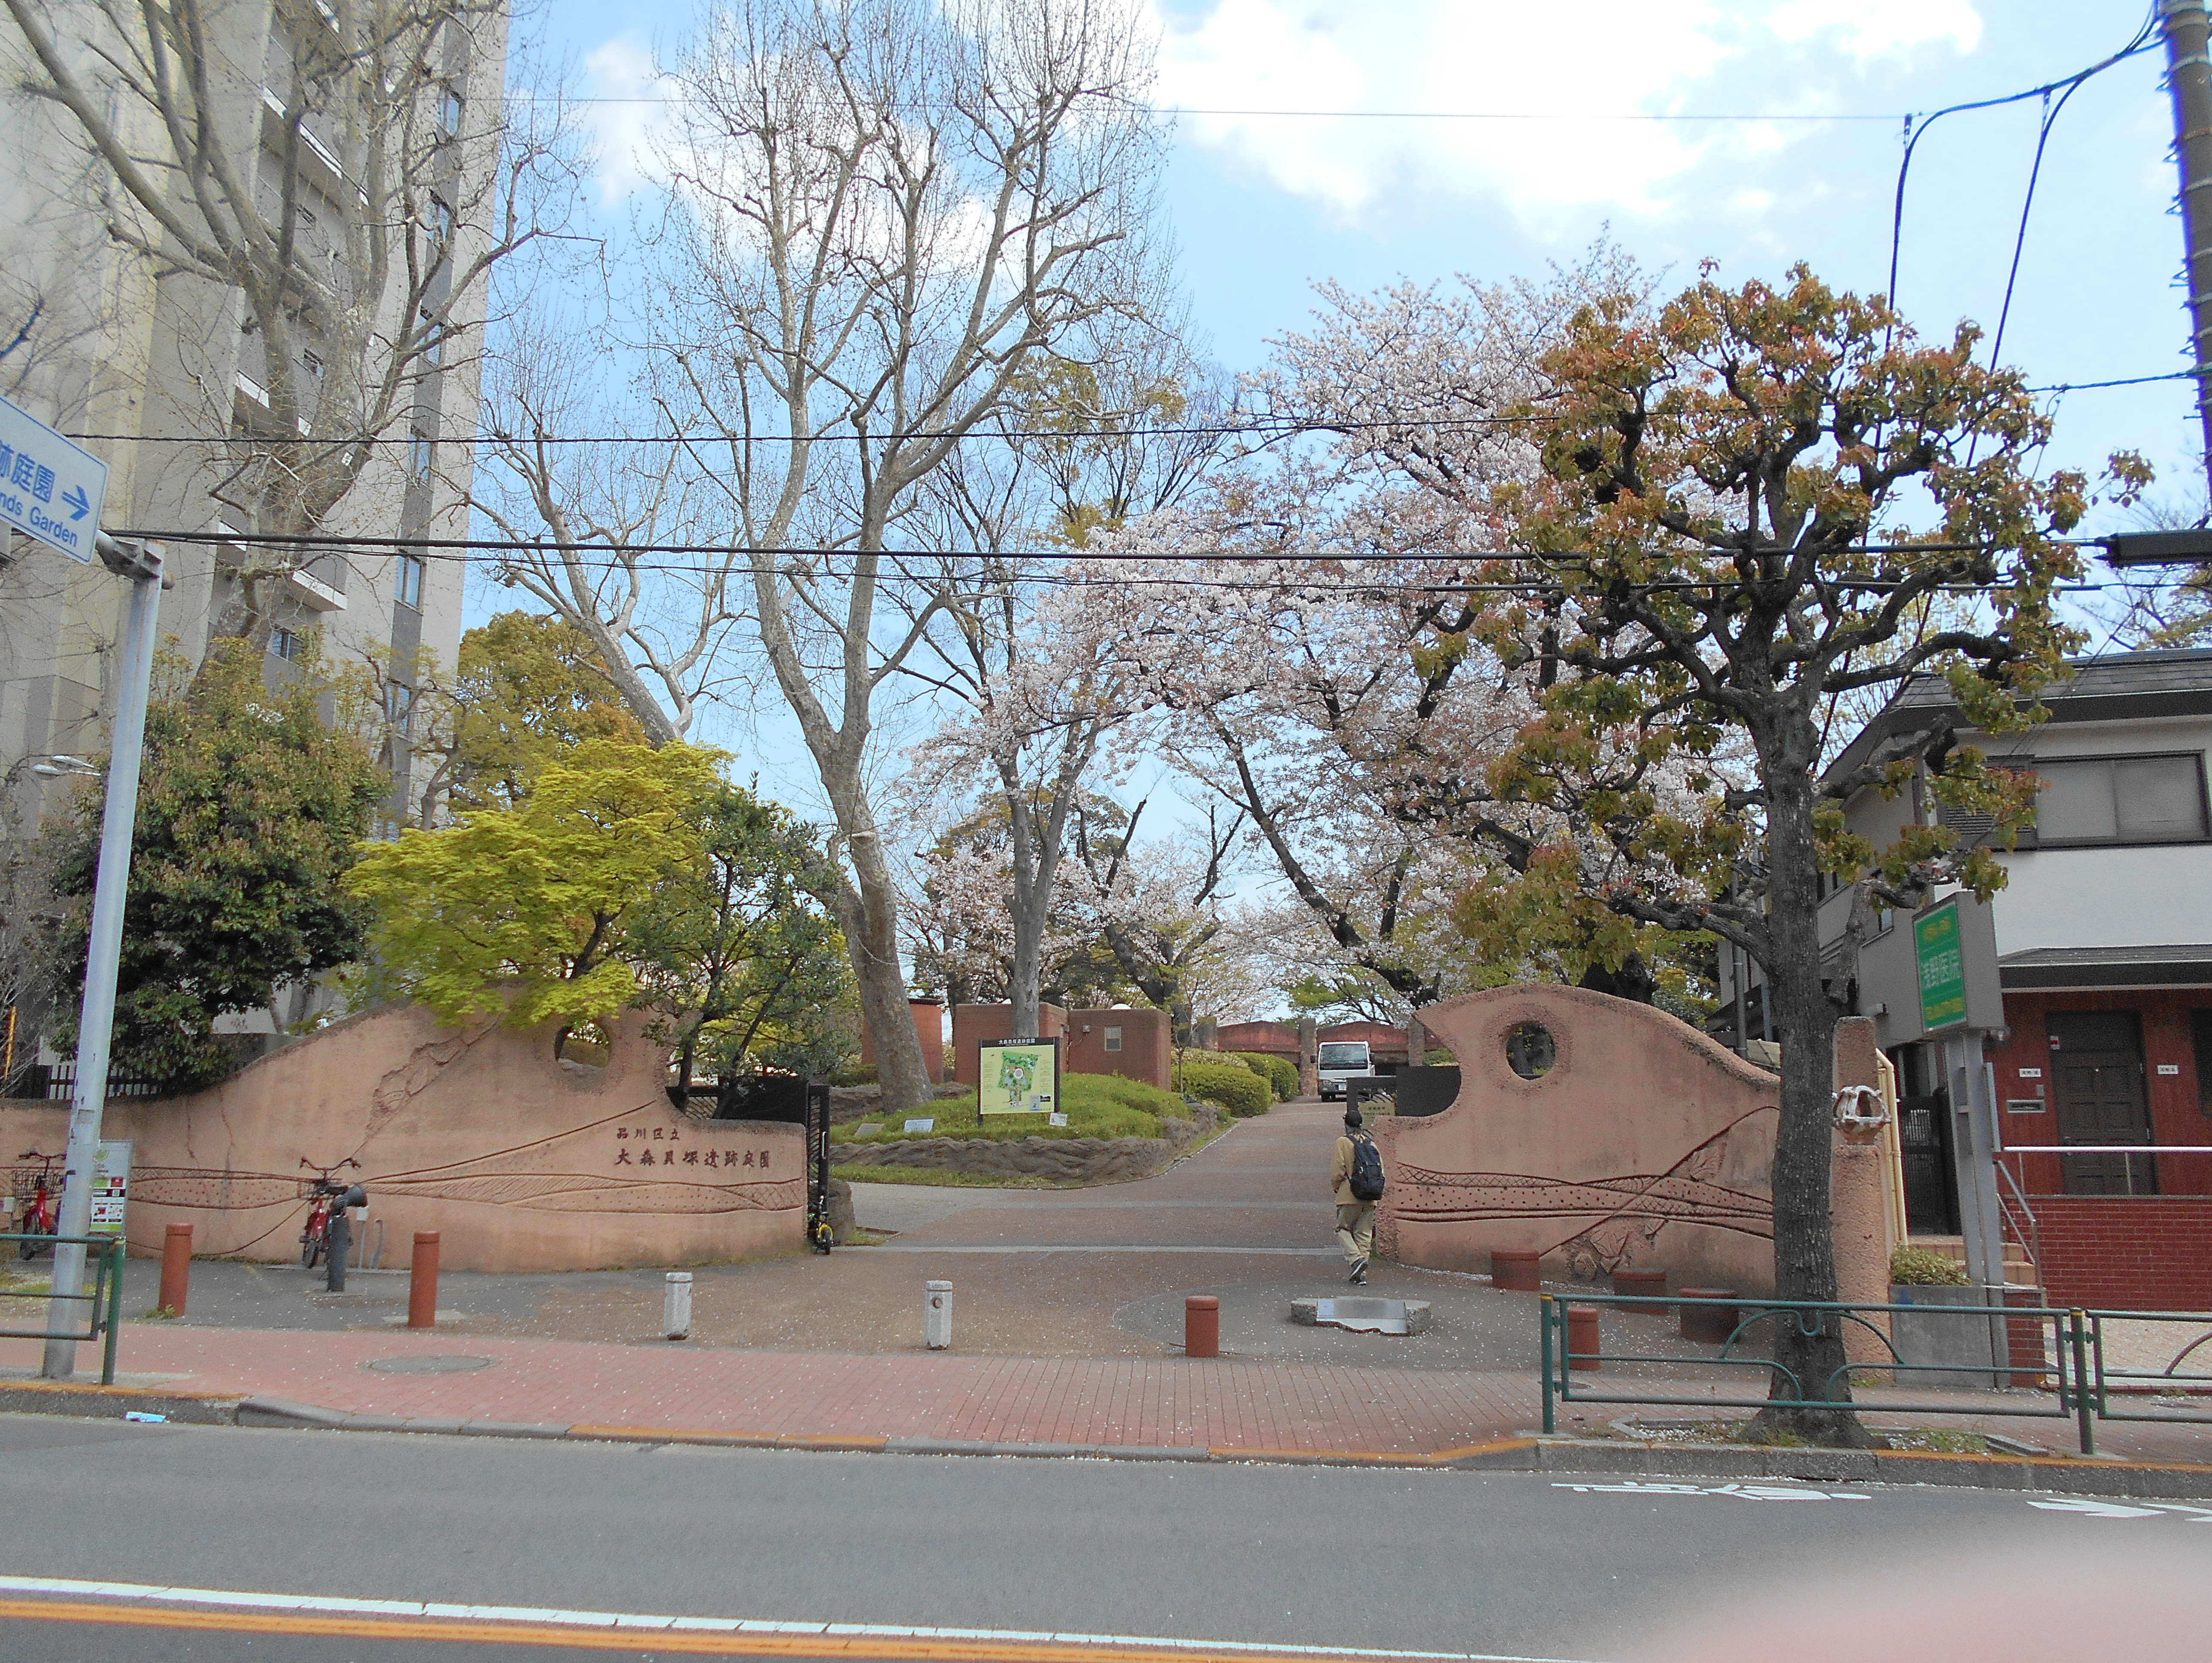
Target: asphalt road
[(1519, 1565)]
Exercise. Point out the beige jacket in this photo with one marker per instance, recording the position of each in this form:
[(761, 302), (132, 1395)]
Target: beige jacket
[(1340, 1174)]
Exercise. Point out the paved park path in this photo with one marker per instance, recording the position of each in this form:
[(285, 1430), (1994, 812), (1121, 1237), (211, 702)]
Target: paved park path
[(1262, 1187)]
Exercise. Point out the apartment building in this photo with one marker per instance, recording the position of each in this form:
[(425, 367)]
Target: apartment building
[(330, 390)]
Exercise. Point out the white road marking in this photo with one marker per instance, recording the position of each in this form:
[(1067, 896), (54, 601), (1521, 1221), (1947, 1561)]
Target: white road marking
[(1741, 1492), (2087, 1508), (338, 1605)]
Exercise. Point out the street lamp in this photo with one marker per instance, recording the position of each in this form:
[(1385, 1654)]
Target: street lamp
[(61, 767)]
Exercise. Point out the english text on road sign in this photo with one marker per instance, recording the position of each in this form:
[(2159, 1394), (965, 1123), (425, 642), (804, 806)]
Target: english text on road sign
[(50, 487)]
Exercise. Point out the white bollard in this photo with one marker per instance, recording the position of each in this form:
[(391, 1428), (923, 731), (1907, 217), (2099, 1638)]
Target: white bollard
[(675, 1307), (937, 1316)]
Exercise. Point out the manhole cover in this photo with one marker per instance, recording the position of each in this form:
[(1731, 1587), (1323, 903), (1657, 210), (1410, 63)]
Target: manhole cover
[(1363, 1315), (428, 1365)]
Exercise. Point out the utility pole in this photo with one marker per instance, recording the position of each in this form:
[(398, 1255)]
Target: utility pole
[(142, 564), (2189, 75)]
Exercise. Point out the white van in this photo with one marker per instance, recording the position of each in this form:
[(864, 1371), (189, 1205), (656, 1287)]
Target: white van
[(1342, 1060)]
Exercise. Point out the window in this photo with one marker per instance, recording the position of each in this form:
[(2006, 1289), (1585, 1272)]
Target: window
[(449, 112), (441, 223), (2121, 799), (421, 452), (289, 644), (1113, 1039), (312, 364), (434, 337), (399, 707), (410, 586)]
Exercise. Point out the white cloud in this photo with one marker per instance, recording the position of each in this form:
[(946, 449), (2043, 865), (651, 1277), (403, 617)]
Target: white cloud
[(1553, 81), (633, 109), (1882, 28)]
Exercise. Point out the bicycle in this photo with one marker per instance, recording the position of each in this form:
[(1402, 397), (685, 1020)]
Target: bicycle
[(45, 1208), (315, 1239)]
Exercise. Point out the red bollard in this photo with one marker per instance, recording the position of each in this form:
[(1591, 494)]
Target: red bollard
[(176, 1270), (1515, 1271), (1202, 1325), (1583, 1343), (422, 1282)]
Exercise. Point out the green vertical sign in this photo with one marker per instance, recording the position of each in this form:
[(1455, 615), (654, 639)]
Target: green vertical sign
[(1942, 966)]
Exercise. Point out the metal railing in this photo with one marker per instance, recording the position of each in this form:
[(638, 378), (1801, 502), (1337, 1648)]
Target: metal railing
[(102, 1296), (2066, 1360), (2030, 1238), (2159, 1387)]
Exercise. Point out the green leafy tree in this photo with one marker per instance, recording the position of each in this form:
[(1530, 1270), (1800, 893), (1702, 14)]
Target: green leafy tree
[(530, 907), (250, 811), (1716, 546), (528, 688), (743, 964)]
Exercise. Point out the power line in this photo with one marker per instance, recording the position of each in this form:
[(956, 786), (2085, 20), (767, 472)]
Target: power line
[(1258, 427), (2145, 38), (459, 549), (1172, 111)]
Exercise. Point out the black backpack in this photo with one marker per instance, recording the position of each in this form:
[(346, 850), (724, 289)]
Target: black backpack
[(1366, 1176)]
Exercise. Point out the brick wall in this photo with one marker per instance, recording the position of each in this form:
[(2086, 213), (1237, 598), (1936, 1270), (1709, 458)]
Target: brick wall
[(2136, 1252), (2176, 1103)]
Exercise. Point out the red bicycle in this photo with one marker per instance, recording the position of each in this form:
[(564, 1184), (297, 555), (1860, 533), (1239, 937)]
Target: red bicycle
[(315, 1239), (45, 1210)]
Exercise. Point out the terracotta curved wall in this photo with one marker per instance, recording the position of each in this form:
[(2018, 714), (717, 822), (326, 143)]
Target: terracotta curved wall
[(1647, 1145), (521, 1163)]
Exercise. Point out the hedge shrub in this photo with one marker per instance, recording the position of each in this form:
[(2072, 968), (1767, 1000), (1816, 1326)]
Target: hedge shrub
[(1279, 1072), (1097, 1106), (1237, 1088)]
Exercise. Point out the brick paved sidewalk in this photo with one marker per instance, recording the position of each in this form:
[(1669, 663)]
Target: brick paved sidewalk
[(1228, 1407)]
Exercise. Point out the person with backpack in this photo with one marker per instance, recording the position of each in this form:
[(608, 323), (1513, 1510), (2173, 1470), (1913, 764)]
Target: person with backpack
[(1355, 1174)]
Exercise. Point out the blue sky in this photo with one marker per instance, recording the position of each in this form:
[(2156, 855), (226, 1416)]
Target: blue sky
[(1297, 159), (1335, 180)]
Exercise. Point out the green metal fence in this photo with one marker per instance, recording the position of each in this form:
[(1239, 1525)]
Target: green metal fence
[(2067, 1357), (102, 1298), (2171, 1393)]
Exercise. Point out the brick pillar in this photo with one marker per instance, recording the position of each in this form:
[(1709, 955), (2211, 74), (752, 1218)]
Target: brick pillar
[(2024, 1338)]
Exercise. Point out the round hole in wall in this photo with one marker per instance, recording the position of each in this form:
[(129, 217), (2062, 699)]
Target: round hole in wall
[(1530, 1050)]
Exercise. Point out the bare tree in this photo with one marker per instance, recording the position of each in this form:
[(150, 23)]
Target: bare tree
[(884, 213), (350, 175)]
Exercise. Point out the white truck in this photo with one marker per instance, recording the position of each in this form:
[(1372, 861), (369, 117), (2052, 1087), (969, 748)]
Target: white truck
[(1341, 1060)]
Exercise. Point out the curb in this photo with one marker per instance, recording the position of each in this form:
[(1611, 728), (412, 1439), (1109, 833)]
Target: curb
[(2062, 1475), (112, 1403)]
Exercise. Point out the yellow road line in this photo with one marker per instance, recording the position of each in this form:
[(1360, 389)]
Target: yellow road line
[(640, 1638)]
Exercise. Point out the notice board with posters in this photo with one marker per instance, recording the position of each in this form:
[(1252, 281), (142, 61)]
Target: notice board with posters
[(1017, 1077), (111, 1188)]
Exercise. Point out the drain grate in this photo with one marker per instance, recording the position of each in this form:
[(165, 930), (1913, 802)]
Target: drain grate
[(432, 1365)]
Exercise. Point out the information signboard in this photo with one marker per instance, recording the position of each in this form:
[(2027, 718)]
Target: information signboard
[(50, 487), (1937, 951), (1017, 1077), (111, 1188)]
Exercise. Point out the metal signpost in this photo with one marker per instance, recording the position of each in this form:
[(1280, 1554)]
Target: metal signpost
[(53, 489), (1940, 957)]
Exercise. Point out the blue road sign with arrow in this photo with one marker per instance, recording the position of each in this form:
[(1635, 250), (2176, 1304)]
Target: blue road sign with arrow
[(50, 487)]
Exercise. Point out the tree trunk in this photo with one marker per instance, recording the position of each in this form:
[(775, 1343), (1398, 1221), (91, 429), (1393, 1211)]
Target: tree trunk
[(1811, 1348), (867, 911), (1031, 902)]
